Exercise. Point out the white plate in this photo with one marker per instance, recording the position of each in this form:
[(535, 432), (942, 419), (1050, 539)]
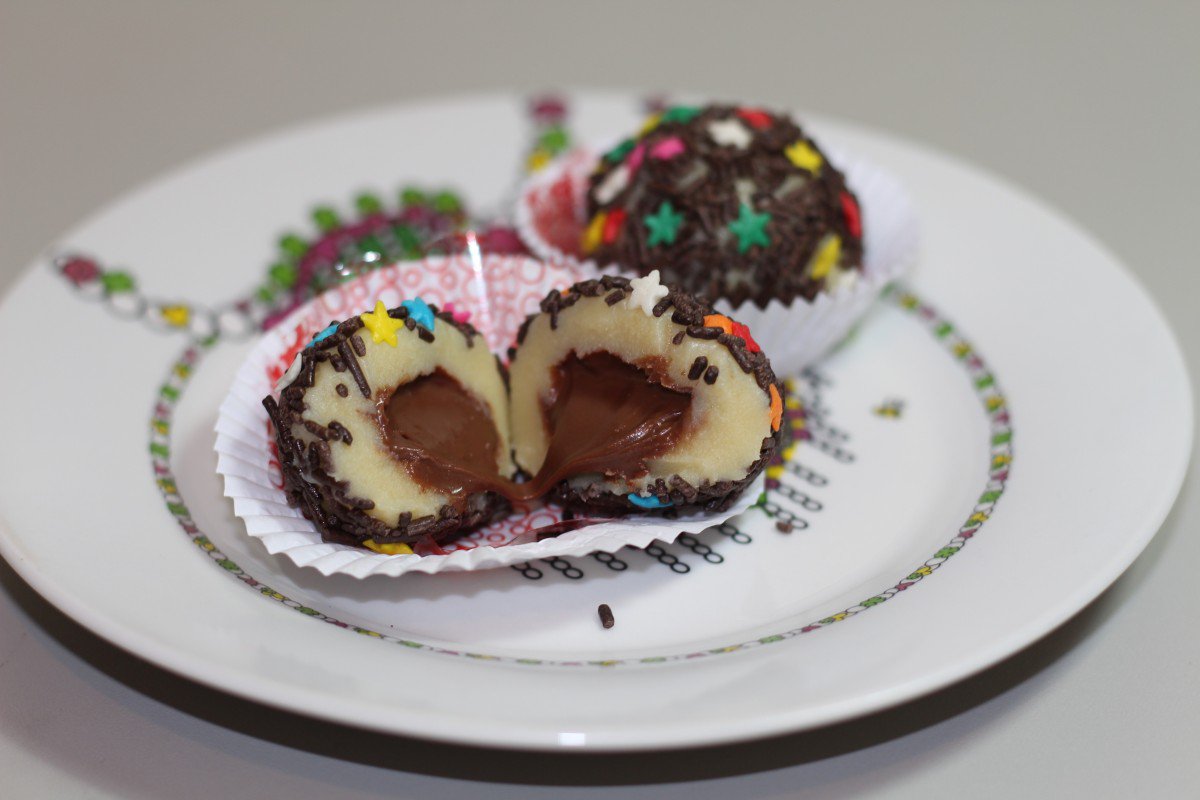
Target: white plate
[(903, 574)]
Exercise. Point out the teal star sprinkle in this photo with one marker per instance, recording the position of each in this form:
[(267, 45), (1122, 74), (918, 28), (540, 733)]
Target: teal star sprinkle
[(663, 225), (751, 228), (420, 312)]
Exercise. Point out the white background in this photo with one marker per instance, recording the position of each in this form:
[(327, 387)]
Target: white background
[(1091, 106)]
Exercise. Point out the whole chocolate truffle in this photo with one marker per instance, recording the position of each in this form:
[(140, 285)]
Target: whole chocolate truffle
[(733, 203)]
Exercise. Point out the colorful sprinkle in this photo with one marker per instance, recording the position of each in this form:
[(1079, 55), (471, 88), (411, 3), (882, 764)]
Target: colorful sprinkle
[(646, 292), (755, 117), (729, 133), (667, 149), (612, 185), (804, 156), (851, 213), (635, 158), (776, 408), (612, 225), (420, 312), (388, 548), (382, 327), (323, 335), (743, 333), (826, 257), (618, 153), (751, 228), (646, 502), (681, 114), (650, 124), (719, 321), (593, 235), (663, 225), (456, 314), (293, 372)]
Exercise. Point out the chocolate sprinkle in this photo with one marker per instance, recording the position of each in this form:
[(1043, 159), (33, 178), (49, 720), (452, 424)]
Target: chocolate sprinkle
[(342, 390), (606, 616), (707, 185), (352, 362), (697, 368), (710, 375)]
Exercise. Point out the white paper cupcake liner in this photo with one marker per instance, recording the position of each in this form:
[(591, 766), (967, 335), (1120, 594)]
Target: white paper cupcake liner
[(498, 292), (793, 335)]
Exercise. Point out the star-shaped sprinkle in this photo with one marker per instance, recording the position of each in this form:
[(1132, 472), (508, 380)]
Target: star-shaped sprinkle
[(667, 148), (323, 335), (743, 332), (826, 256), (729, 133), (663, 225), (382, 327), (804, 156), (420, 312), (750, 228), (646, 293), (776, 408)]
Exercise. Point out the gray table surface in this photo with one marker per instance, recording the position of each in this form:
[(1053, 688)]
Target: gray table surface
[(1092, 106)]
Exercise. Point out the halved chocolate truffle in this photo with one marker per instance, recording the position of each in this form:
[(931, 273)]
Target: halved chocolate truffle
[(395, 428), (632, 396), (626, 396), (733, 203)]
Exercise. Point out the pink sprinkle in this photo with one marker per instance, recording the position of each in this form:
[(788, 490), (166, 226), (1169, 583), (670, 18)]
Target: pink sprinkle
[(667, 148), (635, 158), (459, 316)]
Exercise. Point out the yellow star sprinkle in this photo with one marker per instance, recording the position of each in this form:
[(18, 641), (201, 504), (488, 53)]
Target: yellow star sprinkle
[(826, 257), (804, 156), (382, 327), (388, 549)]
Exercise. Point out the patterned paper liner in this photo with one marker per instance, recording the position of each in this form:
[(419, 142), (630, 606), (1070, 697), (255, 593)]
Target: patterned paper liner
[(550, 219), (497, 292)]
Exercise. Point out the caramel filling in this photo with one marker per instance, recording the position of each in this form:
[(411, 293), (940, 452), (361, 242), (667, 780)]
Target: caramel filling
[(605, 417)]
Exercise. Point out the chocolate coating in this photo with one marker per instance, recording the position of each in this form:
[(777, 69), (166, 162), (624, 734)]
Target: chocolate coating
[(708, 185)]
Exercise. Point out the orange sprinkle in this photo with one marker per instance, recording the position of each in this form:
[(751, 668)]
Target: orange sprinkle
[(776, 408), (719, 321)]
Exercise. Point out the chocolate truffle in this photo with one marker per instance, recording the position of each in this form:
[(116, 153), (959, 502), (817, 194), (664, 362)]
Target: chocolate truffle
[(626, 397), (732, 203), (392, 427), (632, 396)]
